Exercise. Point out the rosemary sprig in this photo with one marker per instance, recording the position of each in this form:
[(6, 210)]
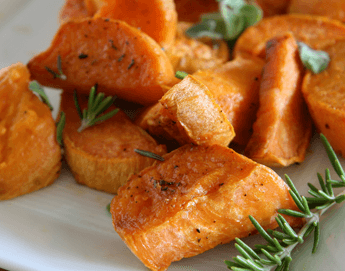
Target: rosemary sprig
[(277, 253), (97, 104), (59, 127), (149, 154), (58, 74), (36, 87)]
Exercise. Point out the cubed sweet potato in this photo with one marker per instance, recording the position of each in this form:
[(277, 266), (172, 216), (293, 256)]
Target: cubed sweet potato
[(30, 157), (103, 156), (198, 198), (121, 59), (73, 9), (190, 55), (282, 130)]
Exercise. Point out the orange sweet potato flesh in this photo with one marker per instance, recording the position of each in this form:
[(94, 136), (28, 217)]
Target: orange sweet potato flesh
[(191, 10), (235, 87), (193, 115), (103, 156), (315, 31), (325, 96), (282, 130), (123, 61), (157, 18), (332, 9), (30, 157), (198, 198), (273, 7), (190, 55), (73, 9)]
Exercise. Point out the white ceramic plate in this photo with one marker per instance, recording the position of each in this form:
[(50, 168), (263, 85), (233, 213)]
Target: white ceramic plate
[(66, 226)]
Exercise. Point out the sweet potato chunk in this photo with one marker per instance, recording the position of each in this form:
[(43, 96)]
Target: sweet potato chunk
[(157, 18), (315, 31), (73, 9), (194, 116), (191, 10), (198, 198), (282, 130), (190, 55), (332, 9), (102, 156), (30, 157), (121, 59), (273, 7), (325, 96), (235, 87)]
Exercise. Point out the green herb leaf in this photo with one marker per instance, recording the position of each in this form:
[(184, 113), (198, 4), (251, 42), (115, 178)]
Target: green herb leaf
[(36, 87), (181, 74), (97, 105), (59, 128), (60, 73), (233, 18), (149, 154), (316, 61)]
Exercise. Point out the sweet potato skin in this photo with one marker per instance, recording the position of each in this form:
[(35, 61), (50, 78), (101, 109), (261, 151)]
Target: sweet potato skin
[(193, 115), (198, 198), (273, 7), (157, 18), (124, 61), (235, 87), (316, 31), (325, 96), (332, 9), (103, 156), (191, 10), (282, 130), (190, 55), (30, 157)]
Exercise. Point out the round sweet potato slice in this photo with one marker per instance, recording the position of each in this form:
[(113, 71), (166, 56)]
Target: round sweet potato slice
[(315, 31), (325, 97), (30, 157), (121, 59), (332, 9), (103, 156), (190, 55), (157, 18)]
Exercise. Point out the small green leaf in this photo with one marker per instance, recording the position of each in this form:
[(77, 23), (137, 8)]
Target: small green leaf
[(181, 74), (36, 87), (316, 61)]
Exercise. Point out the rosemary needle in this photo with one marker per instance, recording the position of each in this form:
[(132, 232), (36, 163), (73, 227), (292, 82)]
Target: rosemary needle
[(97, 104), (36, 87), (59, 127), (149, 154)]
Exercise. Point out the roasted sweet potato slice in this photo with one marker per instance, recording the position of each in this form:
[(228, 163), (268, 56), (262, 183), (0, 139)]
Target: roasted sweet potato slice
[(282, 130), (191, 10), (190, 55), (332, 9), (103, 156), (315, 31), (123, 61), (30, 157), (198, 198), (194, 116), (325, 96), (235, 87), (73, 9), (157, 18)]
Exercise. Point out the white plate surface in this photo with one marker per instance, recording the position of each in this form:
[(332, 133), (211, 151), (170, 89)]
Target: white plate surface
[(66, 226)]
